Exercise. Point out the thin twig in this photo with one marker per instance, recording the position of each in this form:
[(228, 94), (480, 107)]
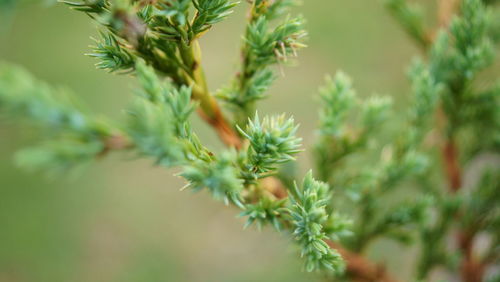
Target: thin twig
[(452, 166), (360, 268)]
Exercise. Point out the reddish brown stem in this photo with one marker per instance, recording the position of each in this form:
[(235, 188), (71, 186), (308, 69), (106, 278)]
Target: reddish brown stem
[(472, 269), (446, 10), (224, 130), (360, 268), (451, 165), (114, 142)]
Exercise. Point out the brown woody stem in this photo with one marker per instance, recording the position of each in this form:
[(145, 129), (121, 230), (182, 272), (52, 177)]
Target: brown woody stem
[(209, 108), (360, 268), (451, 165)]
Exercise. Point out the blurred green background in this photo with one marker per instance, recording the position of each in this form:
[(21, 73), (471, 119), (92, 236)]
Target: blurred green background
[(126, 220)]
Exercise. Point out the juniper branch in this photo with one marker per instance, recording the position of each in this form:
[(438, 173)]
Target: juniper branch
[(158, 42)]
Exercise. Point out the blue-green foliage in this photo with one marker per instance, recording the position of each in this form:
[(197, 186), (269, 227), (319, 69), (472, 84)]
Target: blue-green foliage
[(267, 46), (89, 6), (151, 128), (467, 121), (112, 56), (210, 12), (471, 42), (263, 46), (160, 119), (77, 137), (411, 18), (308, 212), (337, 98), (265, 211), (339, 134), (55, 109), (254, 90), (271, 9), (220, 177), (272, 142), (59, 156)]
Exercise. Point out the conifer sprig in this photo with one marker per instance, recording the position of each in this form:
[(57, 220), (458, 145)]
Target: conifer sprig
[(309, 214), (112, 56), (77, 136), (210, 12), (272, 142), (262, 47), (411, 18), (337, 98), (220, 177)]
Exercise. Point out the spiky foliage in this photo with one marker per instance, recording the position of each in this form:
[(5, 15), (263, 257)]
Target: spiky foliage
[(112, 56), (337, 97), (209, 13), (338, 138), (264, 212), (219, 176), (272, 142), (309, 214), (263, 46)]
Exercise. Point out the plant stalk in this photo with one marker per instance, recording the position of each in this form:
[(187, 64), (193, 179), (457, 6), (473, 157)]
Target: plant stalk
[(209, 108)]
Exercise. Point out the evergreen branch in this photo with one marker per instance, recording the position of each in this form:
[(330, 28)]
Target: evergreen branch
[(151, 130), (113, 57), (270, 9), (23, 96), (89, 6), (219, 176), (78, 137), (337, 98), (262, 47), (308, 212), (57, 157), (209, 13), (159, 34), (411, 19), (356, 266), (158, 41), (337, 138), (272, 142), (265, 211)]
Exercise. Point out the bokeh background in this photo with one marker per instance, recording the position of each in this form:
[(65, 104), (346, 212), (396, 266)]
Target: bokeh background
[(125, 220)]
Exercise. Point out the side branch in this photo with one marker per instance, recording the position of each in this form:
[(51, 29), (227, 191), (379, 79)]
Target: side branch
[(209, 109), (472, 269), (358, 267), (224, 130), (451, 165)]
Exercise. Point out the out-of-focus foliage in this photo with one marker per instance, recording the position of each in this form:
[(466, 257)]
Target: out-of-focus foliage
[(76, 137)]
